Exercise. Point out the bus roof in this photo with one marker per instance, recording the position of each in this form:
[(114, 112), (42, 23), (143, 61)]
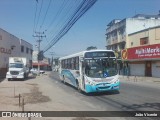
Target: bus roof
[(82, 53)]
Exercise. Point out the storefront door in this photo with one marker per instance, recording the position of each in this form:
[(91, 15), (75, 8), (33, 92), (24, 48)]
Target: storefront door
[(148, 69)]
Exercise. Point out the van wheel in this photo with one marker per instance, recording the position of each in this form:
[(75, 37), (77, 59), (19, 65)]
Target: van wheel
[(24, 76), (27, 75)]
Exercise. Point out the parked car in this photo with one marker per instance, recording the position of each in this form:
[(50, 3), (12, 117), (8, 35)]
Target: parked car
[(35, 71)]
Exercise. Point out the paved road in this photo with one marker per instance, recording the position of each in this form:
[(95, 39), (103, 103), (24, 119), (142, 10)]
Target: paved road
[(132, 96), (48, 93)]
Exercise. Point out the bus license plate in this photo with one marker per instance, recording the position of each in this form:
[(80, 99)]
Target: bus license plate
[(103, 85)]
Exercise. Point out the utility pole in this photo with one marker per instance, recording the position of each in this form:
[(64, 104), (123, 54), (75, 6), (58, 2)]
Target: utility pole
[(52, 60), (40, 36)]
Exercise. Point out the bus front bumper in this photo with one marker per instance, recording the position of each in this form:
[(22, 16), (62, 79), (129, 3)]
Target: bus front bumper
[(102, 87)]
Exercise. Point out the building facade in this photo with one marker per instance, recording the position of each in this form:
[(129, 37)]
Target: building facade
[(118, 30), (143, 54), (11, 46), (43, 64)]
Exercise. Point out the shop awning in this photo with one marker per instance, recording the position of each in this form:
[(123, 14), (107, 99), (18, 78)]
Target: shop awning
[(41, 64)]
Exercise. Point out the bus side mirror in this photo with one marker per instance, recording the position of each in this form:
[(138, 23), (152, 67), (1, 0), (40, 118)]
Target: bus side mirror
[(81, 59)]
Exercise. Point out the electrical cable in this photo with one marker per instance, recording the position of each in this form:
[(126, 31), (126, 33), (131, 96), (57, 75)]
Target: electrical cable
[(65, 30), (66, 17), (63, 16), (35, 17), (45, 14), (76, 10), (82, 8), (39, 15)]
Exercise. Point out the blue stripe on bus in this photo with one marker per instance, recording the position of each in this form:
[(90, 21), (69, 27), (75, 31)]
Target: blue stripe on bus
[(70, 76)]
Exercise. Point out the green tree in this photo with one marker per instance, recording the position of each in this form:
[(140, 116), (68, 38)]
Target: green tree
[(91, 48)]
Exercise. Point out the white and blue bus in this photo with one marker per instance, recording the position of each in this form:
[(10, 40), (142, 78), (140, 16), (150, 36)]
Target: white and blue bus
[(90, 71)]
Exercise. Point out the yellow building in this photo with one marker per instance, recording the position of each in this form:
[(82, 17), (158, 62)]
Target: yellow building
[(144, 37), (118, 31), (143, 53)]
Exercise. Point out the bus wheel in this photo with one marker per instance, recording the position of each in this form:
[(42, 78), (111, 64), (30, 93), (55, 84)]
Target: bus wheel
[(64, 80), (78, 87)]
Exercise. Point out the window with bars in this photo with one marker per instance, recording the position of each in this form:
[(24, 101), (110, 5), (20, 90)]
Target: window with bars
[(144, 41), (22, 48)]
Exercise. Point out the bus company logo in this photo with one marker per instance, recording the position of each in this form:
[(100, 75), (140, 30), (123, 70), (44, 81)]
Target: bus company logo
[(124, 54), (6, 114)]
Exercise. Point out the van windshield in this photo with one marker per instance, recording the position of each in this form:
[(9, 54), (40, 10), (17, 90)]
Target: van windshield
[(15, 65)]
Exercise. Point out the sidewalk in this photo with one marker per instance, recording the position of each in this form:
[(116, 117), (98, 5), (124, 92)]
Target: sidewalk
[(140, 79), (2, 78), (39, 94)]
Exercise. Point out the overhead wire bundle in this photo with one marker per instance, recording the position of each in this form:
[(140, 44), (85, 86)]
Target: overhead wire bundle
[(71, 13)]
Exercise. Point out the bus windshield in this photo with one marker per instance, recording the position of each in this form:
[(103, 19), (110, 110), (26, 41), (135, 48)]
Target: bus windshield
[(100, 68)]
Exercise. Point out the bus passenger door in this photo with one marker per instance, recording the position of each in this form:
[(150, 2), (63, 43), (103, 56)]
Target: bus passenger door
[(81, 69)]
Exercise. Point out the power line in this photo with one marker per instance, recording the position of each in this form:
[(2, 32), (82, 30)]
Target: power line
[(45, 14), (35, 17), (67, 12), (71, 13), (39, 15), (61, 16), (81, 9), (57, 14), (67, 23), (68, 9)]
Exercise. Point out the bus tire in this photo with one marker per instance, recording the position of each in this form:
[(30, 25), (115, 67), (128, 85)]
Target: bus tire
[(116, 92), (63, 80), (78, 87)]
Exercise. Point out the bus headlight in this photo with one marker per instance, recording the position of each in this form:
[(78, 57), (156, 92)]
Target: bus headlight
[(89, 81), (92, 83), (115, 81), (21, 73), (8, 73)]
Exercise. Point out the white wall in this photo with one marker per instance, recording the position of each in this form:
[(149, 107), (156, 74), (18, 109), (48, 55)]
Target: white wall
[(135, 24), (6, 42), (26, 45)]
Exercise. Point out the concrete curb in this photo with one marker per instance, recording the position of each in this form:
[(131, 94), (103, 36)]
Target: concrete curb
[(140, 78), (1, 79)]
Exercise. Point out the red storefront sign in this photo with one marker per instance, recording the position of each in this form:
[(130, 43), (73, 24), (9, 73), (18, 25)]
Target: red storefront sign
[(143, 52)]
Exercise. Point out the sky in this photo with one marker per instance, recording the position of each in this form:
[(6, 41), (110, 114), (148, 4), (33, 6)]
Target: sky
[(18, 18)]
